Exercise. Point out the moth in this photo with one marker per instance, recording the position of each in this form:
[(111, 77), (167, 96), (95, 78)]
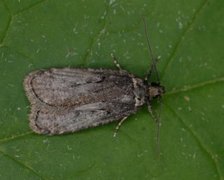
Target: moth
[(66, 100)]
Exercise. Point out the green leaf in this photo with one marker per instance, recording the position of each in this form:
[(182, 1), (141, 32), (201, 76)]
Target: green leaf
[(187, 35)]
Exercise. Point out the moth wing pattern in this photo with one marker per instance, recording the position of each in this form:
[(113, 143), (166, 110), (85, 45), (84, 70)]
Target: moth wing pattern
[(64, 120), (68, 100)]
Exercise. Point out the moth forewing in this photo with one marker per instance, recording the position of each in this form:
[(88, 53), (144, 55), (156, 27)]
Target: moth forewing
[(68, 100)]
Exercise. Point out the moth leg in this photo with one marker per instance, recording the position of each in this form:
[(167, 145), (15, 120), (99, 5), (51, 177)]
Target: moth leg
[(116, 62), (119, 125)]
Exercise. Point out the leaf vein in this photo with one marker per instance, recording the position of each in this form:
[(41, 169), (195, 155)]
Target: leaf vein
[(181, 39), (94, 39), (29, 7), (202, 146), (195, 86), (14, 137), (22, 164), (5, 32)]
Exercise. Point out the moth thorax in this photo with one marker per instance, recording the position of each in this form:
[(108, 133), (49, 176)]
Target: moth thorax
[(139, 91), (155, 90)]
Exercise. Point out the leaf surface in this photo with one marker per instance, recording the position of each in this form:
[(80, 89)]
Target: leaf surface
[(188, 37)]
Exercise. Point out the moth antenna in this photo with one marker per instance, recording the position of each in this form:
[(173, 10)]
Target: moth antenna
[(152, 67), (158, 125), (156, 119)]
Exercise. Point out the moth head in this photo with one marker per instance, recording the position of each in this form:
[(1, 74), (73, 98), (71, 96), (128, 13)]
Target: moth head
[(155, 90)]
